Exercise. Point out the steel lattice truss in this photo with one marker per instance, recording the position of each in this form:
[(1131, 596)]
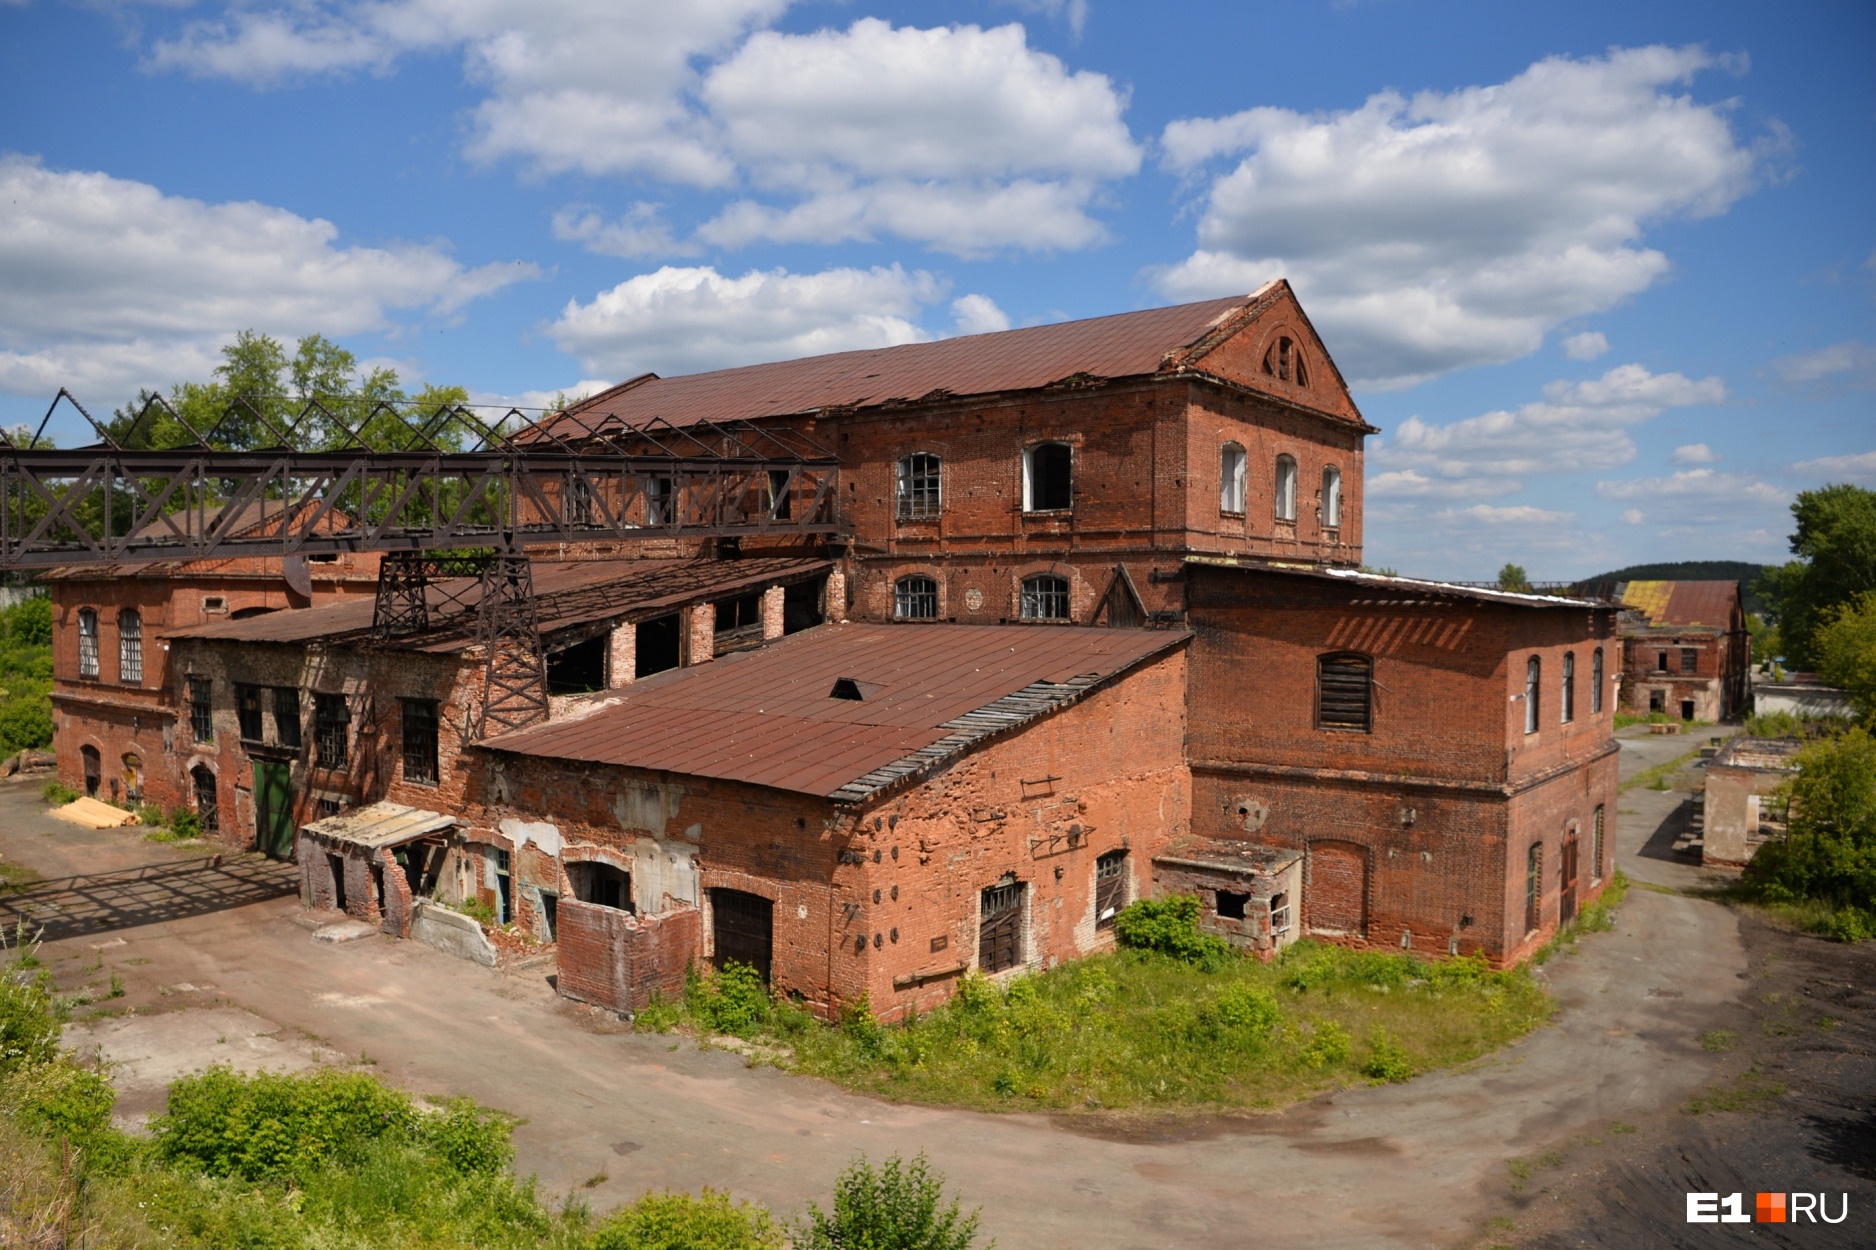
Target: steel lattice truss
[(449, 479)]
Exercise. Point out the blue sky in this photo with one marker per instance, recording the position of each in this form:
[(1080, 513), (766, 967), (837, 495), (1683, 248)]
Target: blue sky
[(1605, 275)]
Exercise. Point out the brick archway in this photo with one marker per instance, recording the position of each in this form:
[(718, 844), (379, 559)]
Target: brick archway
[(1335, 893)]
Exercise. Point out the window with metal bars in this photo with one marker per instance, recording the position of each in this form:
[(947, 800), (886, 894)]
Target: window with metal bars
[(130, 647), (1595, 846), (248, 712), (331, 731), (1000, 927), (287, 717), (1345, 692), (1533, 887), (419, 731), (920, 490), (1045, 598), (87, 642), (1110, 888), (1690, 659), (201, 710), (915, 598)]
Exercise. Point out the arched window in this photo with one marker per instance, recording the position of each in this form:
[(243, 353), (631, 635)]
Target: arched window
[(130, 647), (87, 642), (1286, 488), (1345, 691), (1231, 478), (1569, 686), (207, 805), (1331, 498), (1045, 598), (1533, 677), (1283, 360), (915, 598), (1534, 887), (1595, 682), (1048, 478), (920, 484)]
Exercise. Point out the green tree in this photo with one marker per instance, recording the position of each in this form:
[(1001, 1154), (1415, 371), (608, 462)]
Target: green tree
[(1846, 651), (1828, 853), (1835, 541), (1513, 577)]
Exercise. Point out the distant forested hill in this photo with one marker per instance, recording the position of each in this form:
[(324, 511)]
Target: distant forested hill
[(1747, 575)]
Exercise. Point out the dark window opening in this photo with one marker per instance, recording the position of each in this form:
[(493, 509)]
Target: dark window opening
[(1595, 682), (94, 769), (602, 885), (1231, 905), (330, 807), (1569, 687), (248, 711), (1110, 888), (287, 717), (738, 623), (207, 799), (801, 605), (504, 887), (660, 501), (919, 489), (1283, 360), (1533, 887), (915, 598), (1045, 598), (377, 886), (657, 647), (419, 730), (331, 730), (1687, 709), (1690, 659), (1661, 661), (1533, 686), (1657, 700), (1048, 478), (335, 864), (1345, 692), (1000, 927), (201, 711), (742, 927), (422, 863), (579, 669)]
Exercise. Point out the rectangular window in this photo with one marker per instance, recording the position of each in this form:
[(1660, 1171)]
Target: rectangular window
[(1595, 682), (1044, 598), (1231, 479), (201, 712), (1569, 687), (130, 648), (1344, 692), (1661, 661), (504, 885), (419, 727), (331, 731), (1000, 927), (919, 487), (659, 503), (287, 717), (1048, 478), (1110, 888), (1231, 905), (781, 496), (248, 711), (1690, 659), (915, 599), (1279, 914), (87, 643)]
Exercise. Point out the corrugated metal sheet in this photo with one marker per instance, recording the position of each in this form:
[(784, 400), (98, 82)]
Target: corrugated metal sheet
[(768, 717), (1119, 346), (380, 825), (1685, 605)]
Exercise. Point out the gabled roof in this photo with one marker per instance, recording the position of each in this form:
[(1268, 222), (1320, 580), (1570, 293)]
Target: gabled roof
[(1685, 605), (771, 717)]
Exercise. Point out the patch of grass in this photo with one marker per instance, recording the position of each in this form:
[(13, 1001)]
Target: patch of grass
[(57, 793), (16, 878), (1659, 777), (1750, 1091), (1597, 917), (1619, 1127), (1719, 1040), (1827, 1022), (1813, 915)]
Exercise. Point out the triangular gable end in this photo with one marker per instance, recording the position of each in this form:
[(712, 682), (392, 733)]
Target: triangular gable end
[(1270, 345), (1121, 607)]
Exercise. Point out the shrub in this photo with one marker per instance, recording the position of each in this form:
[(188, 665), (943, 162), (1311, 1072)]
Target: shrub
[(477, 910), (184, 824), (29, 1027), (469, 1139), (272, 1124), (25, 722), (1170, 926), (58, 793), (1243, 1010), (1328, 1046), (896, 1206), (59, 1099), (732, 999), (675, 1221), (149, 815), (660, 1015), (1386, 1060)]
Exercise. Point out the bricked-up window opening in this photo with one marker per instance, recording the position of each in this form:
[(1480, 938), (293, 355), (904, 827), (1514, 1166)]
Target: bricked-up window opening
[(743, 929), (1286, 488), (287, 717), (1110, 888), (94, 769), (1690, 659), (1045, 598), (602, 885), (87, 642), (1345, 692), (1048, 478), (1000, 927), (207, 799), (1534, 887), (780, 498), (248, 713), (579, 501), (580, 668), (1569, 687), (658, 645), (1596, 677), (915, 599), (1331, 498), (1231, 468), (1231, 905), (1533, 691), (504, 885), (1279, 914), (331, 731), (1566, 880), (419, 730), (659, 500), (920, 488), (130, 647), (201, 711), (1595, 846), (1661, 661)]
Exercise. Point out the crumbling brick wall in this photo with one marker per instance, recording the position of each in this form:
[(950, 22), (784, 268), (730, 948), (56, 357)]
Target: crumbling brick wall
[(617, 960)]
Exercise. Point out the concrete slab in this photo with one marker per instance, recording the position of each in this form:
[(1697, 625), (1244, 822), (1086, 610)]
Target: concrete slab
[(344, 931)]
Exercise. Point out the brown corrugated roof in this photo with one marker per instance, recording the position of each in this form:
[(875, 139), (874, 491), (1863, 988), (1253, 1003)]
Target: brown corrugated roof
[(768, 717), (568, 592), (1118, 346), (1683, 605)]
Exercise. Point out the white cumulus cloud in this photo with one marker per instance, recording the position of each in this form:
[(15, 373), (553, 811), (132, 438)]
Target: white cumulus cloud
[(1586, 346), (1695, 453), (1447, 229), (1859, 466), (636, 233)]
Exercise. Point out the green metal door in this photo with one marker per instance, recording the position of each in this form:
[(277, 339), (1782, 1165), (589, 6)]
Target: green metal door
[(273, 808)]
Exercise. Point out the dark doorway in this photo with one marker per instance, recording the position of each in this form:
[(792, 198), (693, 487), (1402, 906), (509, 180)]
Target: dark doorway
[(273, 808), (336, 865), (1000, 927), (377, 886), (1567, 882), (601, 884), (801, 605), (1657, 701), (1687, 709), (579, 669), (744, 928), (207, 800), (94, 769), (550, 916), (657, 646)]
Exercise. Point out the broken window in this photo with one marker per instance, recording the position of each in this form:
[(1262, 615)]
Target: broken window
[(1231, 905), (1595, 682), (1569, 686), (1283, 360), (801, 605), (331, 730), (207, 800), (1286, 488), (1000, 927), (1595, 847), (1533, 679), (419, 729), (1231, 478), (1110, 888), (1690, 659), (780, 499), (1045, 598), (1048, 478), (1331, 498), (656, 647), (248, 712), (1533, 887), (201, 712), (738, 622), (919, 490), (580, 668), (94, 769), (1279, 914), (915, 598), (130, 647), (1345, 691), (579, 507), (287, 717), (601, 884), (659, 493), (87, 642)]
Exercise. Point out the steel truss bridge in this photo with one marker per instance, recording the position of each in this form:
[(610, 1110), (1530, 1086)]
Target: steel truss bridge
[(453, 495)]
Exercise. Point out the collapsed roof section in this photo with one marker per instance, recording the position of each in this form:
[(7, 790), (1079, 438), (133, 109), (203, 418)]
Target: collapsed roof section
[(1681, 605)]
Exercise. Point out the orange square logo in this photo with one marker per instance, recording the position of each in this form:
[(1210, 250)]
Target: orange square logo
[(1770, 1209)]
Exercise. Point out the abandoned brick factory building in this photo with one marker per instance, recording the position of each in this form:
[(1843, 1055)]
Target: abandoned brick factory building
[(1093, 628), (1685, 650)]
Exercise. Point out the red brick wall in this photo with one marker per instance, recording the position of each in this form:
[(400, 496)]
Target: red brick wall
[(621, 961)]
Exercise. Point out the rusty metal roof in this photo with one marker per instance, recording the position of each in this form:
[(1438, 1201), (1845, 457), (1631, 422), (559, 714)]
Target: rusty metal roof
[(380, 825), (1683, 605), (568, 593), (1395, 588), (769, 718), (1118, 346)]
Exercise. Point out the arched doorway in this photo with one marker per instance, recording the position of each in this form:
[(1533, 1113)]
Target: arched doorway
[(94, 769), (207, 798)]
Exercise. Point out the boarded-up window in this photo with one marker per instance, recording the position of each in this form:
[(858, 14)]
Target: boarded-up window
[(1000, 927), (1110, 888), (1345, 692)]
